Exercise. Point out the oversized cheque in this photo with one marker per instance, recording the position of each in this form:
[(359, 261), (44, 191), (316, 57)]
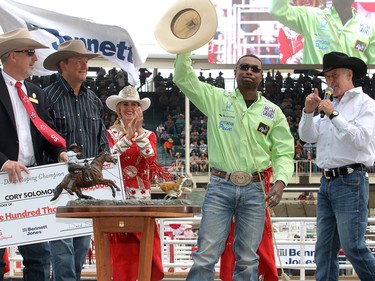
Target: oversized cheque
[(27, 215)]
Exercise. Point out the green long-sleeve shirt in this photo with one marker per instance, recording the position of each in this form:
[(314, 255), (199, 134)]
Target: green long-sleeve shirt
[(323, 31), (235, 132)]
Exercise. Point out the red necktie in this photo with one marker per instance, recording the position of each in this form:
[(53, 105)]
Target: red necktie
[(54, 138)]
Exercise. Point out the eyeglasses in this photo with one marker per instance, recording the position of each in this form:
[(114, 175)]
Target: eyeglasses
[(246, 67), (29, 52)]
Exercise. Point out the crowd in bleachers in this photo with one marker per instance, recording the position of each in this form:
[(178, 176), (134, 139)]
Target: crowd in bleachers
[(287, 92)]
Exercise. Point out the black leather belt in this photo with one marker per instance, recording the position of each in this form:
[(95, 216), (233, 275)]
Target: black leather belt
[(344, 170), (239, 178)]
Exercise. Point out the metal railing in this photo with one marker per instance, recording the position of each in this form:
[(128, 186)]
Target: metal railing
[(177, 249)]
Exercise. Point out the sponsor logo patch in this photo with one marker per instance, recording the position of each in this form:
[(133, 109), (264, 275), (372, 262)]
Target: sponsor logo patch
[(360, 46), (263, 128)]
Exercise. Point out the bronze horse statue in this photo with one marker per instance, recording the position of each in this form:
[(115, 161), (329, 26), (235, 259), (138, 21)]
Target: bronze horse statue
[(96, 175)]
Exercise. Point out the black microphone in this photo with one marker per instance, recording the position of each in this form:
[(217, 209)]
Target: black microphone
[(327, 96)]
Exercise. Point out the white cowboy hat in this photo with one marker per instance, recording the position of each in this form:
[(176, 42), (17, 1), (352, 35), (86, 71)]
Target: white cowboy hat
[(186, 26), (18, 38), (128, 93), (67, 49)]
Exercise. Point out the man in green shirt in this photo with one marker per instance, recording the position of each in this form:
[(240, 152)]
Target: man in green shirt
[(246, 134), (336, 28)]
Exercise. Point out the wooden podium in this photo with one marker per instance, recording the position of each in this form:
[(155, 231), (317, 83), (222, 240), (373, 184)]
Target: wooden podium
[(125, 218)]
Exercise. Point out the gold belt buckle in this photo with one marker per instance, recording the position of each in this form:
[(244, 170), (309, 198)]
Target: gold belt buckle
[(240, 178)]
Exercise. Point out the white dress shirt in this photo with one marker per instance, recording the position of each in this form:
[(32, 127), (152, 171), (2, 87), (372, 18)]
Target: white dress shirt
[(26, 149), (346, 139)]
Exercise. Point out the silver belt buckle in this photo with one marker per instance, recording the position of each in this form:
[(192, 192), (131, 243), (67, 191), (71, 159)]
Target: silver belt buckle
[(325, 173), (240, 178)]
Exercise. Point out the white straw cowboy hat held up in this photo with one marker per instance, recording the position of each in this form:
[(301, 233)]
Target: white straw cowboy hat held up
[(128, 93), (18, 38), (186, 26), (67, 49)]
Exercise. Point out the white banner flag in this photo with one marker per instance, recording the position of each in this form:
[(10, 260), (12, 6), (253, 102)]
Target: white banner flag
[(50, 28)]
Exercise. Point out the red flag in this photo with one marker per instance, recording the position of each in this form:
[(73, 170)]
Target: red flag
[(6, 260), (124, 249)]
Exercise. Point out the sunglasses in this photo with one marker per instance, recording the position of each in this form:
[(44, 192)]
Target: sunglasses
[(246, 67), (29, 52)]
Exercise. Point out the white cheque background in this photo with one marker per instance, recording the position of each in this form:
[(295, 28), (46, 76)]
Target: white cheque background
[(28, 216)]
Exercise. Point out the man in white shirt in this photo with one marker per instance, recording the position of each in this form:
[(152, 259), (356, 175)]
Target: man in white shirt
[(344, 132)]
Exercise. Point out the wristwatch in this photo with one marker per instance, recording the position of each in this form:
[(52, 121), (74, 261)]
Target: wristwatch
[(333, 114)]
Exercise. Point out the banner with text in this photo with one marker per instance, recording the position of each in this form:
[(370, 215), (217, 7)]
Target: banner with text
[(50, 28), (28, 216), (294, 254)]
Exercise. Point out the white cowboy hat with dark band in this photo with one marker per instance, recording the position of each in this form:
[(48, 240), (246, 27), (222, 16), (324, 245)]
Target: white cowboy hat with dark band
[(335, 60), (18, 38), (67, 49), (186, 26), (128, 93)]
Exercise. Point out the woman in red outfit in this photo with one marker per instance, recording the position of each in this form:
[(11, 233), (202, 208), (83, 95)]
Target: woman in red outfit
[(137, 149)]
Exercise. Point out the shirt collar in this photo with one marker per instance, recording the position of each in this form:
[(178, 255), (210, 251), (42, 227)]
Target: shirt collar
[(68, 88), (9, 80)]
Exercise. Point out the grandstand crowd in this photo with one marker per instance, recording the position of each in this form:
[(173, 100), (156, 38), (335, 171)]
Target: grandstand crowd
[(287, 92)]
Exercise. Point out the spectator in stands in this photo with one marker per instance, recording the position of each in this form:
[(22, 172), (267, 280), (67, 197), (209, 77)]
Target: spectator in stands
[(232, 135), (170, 125), (182, 137), (194, 161), (310, 163), (194, 135), (69, 97), (168, 147), (164, 136), (159, 130), (180, 123), (210, 80), (289, 81), (194, 146), (137, 149), (201, 77), (121, 79), (345, 139), (203, 162), (100, 73), (158, 79), (195, 123), (203, 146), (298, 147), (169, 82), (180, 163), (143, 75), (220, 81), (340, 21), (203, 134)]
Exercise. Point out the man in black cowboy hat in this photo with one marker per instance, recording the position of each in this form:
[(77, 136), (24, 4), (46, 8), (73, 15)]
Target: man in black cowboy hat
[(345, 140)]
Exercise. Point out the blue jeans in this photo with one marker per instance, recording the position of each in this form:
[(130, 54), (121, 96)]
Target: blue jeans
[(223, 201), (68, 256), (342, 217), (37, 261)]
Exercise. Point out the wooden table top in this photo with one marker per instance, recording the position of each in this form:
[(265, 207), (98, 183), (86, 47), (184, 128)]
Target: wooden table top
[(156, 211)]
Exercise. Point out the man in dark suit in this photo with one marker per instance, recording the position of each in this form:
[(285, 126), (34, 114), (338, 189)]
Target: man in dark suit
[(22, 145)]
